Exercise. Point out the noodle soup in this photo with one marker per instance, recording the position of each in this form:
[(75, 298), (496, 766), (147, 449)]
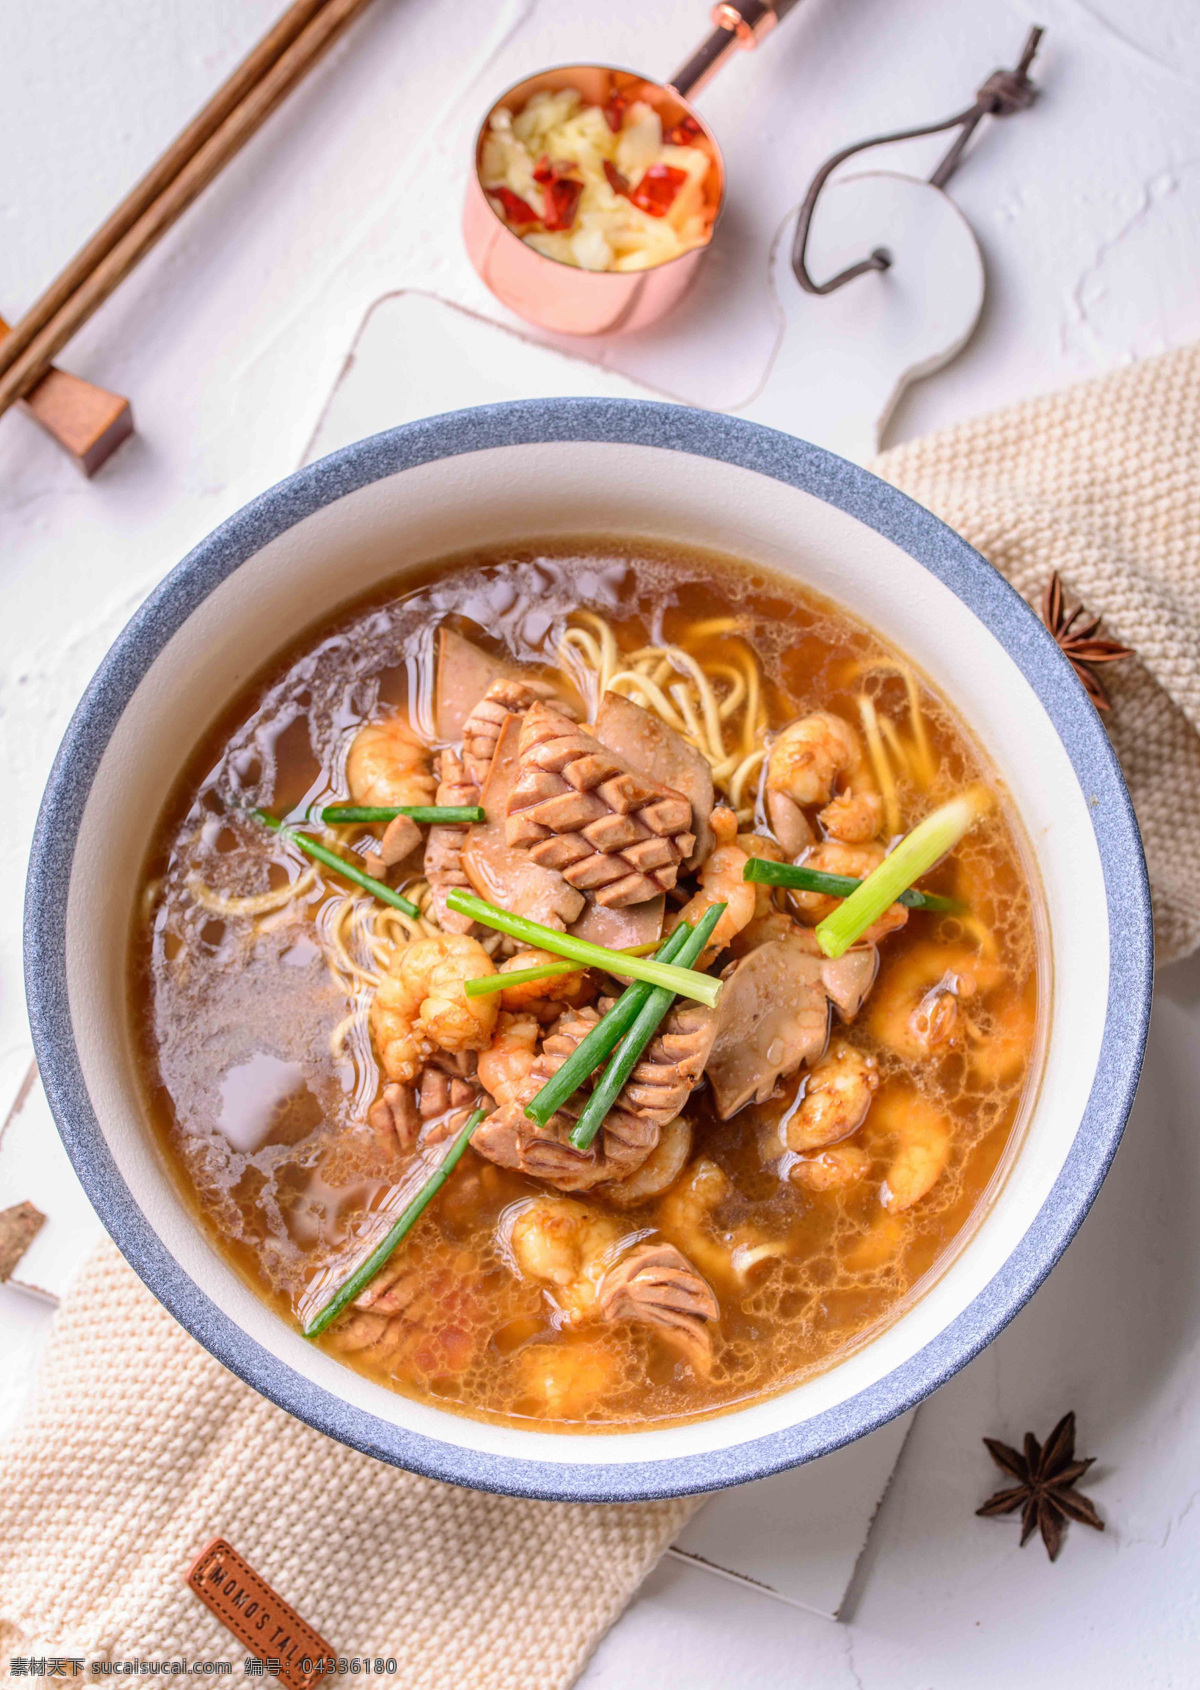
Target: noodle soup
[(636, 735)]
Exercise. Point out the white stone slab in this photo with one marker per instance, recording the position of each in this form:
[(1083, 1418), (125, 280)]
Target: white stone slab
[(798, 1536), (416, 356), (227, 338)]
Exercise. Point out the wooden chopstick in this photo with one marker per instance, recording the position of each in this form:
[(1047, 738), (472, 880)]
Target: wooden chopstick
[(204, 124), (264, 79)]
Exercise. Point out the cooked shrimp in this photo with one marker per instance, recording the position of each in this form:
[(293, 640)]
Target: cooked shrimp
[(566, 1379), (685, 1217), (721, 883), (920, 1138), (836, 1098), (723, 822), (755, 845), (547, 998), (504, 1065), (856, 861), (833, 857), (917, 1006), (830, 1170), (820, 760), (659, 1171), (998, 1050), (567, 1246), (388, 764), (420, 1002), (877, 1245)]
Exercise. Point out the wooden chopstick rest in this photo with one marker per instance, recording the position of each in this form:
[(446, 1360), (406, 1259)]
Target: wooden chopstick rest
[(130, 233), (87, 421)]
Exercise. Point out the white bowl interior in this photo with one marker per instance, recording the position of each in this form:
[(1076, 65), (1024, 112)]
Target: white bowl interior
[(561, 489)]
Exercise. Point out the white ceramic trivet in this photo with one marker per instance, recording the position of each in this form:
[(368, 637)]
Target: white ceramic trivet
[(843, 360)]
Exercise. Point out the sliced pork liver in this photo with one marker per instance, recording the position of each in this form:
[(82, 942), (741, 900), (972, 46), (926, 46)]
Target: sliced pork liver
[(464, 673), (657, 750), (849, 978), (620, 930), (772, 1016)]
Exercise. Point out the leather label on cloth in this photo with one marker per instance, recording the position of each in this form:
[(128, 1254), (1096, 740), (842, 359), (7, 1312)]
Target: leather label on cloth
[(268, 1626)]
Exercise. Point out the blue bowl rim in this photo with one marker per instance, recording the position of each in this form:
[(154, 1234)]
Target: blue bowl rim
[(767, 452)]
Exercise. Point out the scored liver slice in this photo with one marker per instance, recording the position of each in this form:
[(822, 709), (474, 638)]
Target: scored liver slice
[(498, 871), (582, 809), (657, 750)]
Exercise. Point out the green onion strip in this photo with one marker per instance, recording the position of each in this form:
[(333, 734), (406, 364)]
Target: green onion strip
[(802, 879), (915, 855), (366, 1271), (686, 981), (337, 815), (332, 860), (645, 1025), (483, 985)]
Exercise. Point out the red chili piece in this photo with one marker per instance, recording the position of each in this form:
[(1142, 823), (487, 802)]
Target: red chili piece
[(684, 132), (560, 195), (618, 183), (614, 111), (516, 210), (656, 191)]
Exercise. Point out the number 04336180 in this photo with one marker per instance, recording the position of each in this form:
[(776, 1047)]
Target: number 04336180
[(327, 1664)]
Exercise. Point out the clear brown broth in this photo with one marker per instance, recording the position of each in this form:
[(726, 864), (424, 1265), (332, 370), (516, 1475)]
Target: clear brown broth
[(264, 1128)]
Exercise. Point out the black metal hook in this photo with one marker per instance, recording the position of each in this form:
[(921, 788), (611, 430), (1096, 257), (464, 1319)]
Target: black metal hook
[(1005, 91)]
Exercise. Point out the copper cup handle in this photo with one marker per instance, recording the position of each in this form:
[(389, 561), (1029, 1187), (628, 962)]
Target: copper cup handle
[(734, 27)]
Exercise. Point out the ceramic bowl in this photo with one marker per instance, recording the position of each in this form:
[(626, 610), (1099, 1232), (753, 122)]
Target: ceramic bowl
[(560, 467)]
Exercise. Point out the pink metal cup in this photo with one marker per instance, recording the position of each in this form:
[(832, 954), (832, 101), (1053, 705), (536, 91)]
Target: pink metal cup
[(559, 296)]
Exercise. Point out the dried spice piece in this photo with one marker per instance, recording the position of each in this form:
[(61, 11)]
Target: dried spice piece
[(614, 110), (1045, 1491), (516, 210), (18, 1228), (684, 132), (579, 808), (618, 183), (655, 193), (560, 194), (1080, 645)]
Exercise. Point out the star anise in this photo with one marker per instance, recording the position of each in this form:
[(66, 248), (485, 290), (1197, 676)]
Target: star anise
[(1045, 1491), (1081, 646)]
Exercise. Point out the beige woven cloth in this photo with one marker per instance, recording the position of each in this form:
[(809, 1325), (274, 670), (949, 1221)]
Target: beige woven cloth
[(1102, 483), (138, 1447)]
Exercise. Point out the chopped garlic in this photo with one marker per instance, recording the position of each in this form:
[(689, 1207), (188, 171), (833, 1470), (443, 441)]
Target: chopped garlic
[(608, 231)]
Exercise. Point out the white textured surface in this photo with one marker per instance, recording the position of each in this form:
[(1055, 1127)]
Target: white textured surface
[(228, 340), (35, 1168)]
